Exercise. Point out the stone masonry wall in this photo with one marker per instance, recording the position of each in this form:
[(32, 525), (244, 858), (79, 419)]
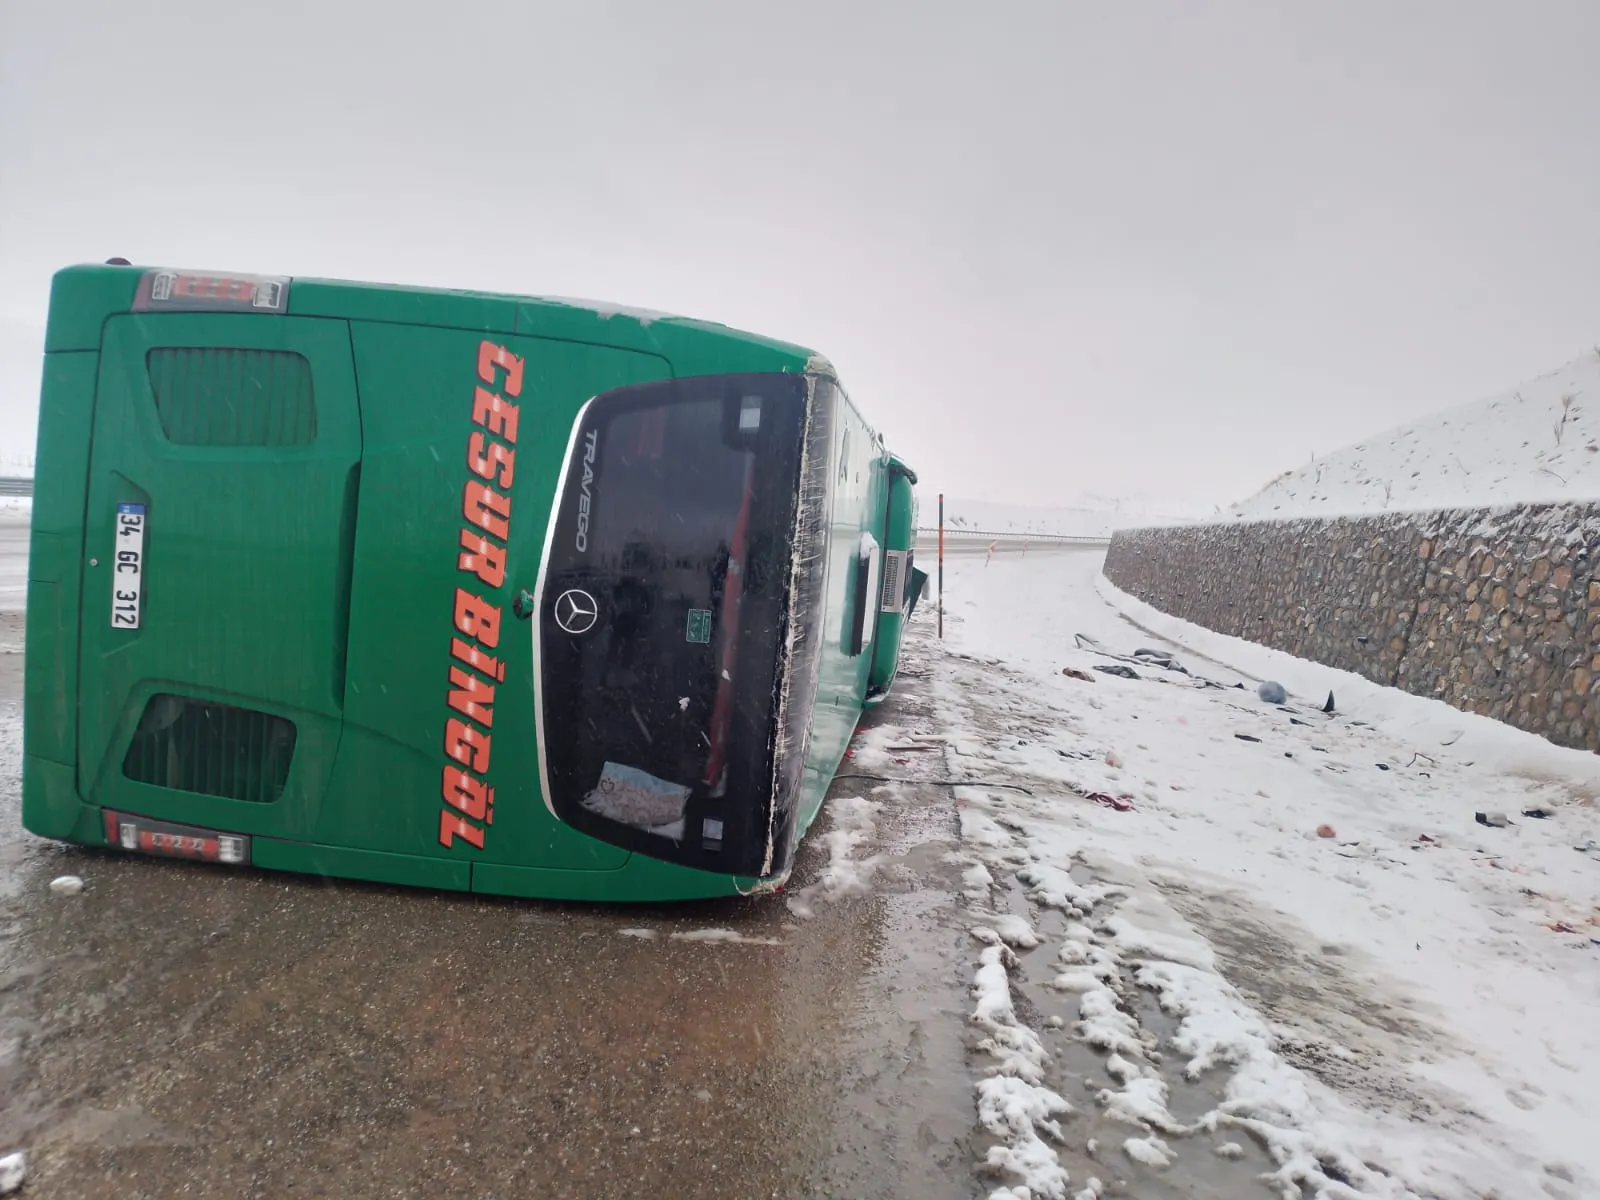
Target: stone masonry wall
[(1495, 611)]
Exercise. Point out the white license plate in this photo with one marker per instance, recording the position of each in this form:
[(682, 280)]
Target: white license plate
[(127, 567)]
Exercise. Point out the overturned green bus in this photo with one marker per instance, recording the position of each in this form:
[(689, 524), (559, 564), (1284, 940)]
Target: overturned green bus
[(461, 590)]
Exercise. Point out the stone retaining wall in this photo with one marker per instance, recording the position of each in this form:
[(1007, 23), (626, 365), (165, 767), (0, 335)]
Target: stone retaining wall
[(1495, 611)]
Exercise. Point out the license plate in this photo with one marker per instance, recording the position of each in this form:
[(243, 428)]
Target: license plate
[(127, 567)]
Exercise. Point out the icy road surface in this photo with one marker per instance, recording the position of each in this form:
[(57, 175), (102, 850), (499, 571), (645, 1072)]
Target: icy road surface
[(1174, 970), (178, 1030), (1051, 938)]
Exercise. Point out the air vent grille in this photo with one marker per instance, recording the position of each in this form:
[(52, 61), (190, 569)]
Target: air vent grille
[(211, 749), (222, 396), (894, 565)]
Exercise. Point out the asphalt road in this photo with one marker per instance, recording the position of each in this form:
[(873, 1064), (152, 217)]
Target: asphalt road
[(183, 1030)]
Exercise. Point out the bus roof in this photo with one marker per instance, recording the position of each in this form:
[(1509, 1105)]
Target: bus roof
[(83, 296)]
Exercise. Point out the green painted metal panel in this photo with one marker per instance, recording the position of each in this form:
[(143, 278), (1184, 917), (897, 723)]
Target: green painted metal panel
[(900, 535), (50, 804), (81, 298), (341, 862), (247, 564), (388, 304), (694, 347), (50, 682), (347, 499), (644, 879), (419, 387)]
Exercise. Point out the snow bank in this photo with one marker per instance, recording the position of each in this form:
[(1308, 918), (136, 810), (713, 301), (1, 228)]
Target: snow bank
[(1428, 724), (1537, 442)]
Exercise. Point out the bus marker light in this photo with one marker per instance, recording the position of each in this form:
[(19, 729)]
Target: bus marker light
[(201, 291), (144, 836)]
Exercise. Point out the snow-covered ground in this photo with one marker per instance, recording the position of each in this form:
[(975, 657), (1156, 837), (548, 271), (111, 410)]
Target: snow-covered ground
[(1181, 989), (1540, 441)]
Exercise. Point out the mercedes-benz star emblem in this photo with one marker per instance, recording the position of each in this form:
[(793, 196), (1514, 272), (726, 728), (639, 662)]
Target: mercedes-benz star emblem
[(576, 611)]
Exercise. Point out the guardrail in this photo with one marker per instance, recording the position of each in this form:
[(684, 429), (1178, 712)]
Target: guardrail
[(22, 485), (1014, 536)]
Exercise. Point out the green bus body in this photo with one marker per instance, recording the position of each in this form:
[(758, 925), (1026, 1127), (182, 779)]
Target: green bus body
[(899, 578), (450, 589)]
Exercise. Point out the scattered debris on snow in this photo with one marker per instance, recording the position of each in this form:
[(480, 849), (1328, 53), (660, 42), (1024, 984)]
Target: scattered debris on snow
[(1118, 670), (13, 1172), (1346, 1054), (66, 885)]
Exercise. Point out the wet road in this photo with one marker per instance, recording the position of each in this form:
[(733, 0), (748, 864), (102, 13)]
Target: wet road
[(184, 1030)]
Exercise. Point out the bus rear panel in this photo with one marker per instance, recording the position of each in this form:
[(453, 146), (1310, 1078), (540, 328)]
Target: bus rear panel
[(450, 589)]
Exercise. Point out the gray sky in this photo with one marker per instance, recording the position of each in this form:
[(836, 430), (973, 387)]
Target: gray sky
[(1158, 249)]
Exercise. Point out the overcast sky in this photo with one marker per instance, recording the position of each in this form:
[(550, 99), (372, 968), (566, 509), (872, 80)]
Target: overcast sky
[(1159, 249)]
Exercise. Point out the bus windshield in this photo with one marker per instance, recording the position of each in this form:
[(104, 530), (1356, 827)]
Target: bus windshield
[(663, 615)]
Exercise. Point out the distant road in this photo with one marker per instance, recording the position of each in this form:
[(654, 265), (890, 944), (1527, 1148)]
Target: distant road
[(14, 524), (968, 545)]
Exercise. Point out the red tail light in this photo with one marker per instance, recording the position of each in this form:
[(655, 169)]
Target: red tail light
[(144, 836), (197, 291)]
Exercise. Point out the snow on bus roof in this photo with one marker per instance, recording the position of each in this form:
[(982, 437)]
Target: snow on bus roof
[(605, 309)]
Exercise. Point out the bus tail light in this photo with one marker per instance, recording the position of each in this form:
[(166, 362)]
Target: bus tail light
[(203, 291), (166, 840)]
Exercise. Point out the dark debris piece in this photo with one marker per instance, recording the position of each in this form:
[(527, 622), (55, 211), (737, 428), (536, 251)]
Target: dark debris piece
[(1120, 671)]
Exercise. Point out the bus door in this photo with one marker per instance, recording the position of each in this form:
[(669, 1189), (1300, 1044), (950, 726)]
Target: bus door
[(218, 535)]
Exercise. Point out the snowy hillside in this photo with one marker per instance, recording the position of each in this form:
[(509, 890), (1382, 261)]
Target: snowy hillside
[(1537, 442), (1094, 516)]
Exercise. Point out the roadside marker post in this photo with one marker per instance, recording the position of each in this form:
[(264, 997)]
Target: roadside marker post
[(941, 566)]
